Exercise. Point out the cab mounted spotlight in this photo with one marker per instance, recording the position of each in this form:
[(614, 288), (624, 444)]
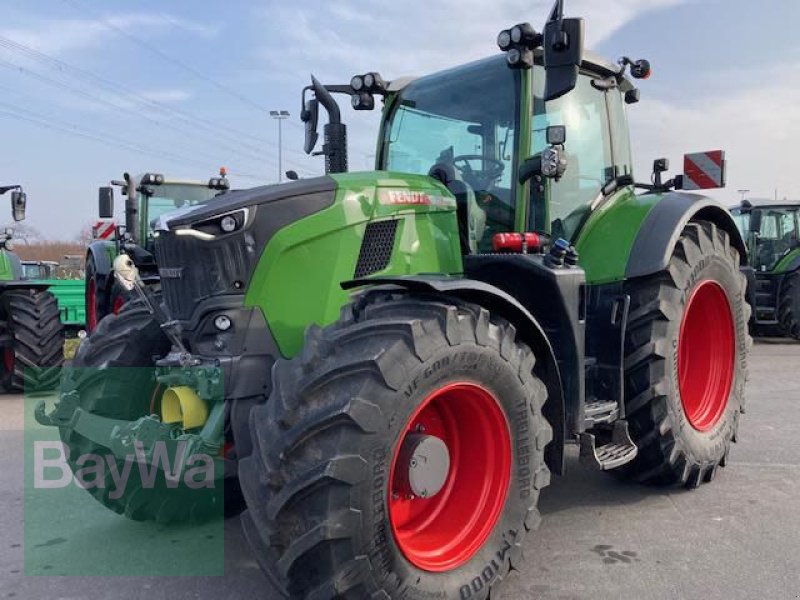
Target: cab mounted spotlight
[(364, 89), (363, 101), (526, 36), (374, 83), (519, 42)]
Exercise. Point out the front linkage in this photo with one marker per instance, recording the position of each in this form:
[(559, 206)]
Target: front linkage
[(192, 410)]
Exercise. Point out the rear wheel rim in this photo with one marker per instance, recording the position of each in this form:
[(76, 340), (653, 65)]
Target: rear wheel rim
[(8, 360), (91, 305), (445, 531), (706, 355), (119, 302)]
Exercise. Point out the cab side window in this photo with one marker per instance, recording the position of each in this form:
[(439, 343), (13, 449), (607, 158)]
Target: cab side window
[(597, 150)]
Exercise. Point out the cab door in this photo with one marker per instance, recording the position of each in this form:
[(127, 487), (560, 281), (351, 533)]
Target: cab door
[(597, 150)]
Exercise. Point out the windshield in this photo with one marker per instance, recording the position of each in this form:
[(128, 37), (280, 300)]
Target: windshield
[(172, 196), (462, 122), (777, 234), (742, 220)]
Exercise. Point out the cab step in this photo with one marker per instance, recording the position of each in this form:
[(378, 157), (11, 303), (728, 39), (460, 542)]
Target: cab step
[(596, 413), (618, 451)]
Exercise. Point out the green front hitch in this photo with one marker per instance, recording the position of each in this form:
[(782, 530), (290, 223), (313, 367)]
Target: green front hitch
[(138, 440)]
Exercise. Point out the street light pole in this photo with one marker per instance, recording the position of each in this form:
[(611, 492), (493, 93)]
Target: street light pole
[(280, 115)]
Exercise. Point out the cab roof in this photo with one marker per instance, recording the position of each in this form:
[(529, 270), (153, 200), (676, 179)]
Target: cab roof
[(767, 203)]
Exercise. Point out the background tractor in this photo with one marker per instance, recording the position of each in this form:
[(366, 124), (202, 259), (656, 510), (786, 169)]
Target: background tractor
[(147, 198), (31, 333), (65, 281), (772, 233), (405, 354)]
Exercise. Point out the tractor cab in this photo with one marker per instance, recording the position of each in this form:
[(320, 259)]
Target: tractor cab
[(772, 231), (482, 129), (151, 196)]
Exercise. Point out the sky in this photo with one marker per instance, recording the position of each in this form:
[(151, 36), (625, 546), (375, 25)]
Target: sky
[(92, 89)]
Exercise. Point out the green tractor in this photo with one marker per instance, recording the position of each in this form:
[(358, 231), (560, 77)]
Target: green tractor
[(31, 332), (147, 198), (65, 281), (772, 233), (405, 354)]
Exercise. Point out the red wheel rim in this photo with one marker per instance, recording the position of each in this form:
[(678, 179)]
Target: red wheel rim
[(706, 355), (445, 531), (8, 360), (119, 302), (91, 306)]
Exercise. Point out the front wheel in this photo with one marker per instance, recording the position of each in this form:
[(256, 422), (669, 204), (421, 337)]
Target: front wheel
[(400, 455), (686, 360)]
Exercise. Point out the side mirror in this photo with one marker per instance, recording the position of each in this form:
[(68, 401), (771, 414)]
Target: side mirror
[(563, 55), (18, 202), (310, 116), (106, 203)]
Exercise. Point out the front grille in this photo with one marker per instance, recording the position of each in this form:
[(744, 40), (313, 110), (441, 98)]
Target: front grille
[(376, 248), (192, 269)]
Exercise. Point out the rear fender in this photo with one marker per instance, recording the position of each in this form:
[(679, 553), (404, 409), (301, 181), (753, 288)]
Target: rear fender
[(661, 229), (790, 262), (528, 329), (103, 254)]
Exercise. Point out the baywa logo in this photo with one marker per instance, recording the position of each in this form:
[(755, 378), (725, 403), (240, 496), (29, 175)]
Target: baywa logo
[(95, 471)]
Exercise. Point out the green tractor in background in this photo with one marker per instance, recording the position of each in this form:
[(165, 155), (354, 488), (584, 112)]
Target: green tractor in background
[(405, 354), (31, 332), (772, 233), (65, 280), (147, 198)]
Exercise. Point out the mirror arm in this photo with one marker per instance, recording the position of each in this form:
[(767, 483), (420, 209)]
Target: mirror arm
[(530, 168)]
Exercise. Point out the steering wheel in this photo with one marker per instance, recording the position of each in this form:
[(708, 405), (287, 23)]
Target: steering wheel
[(479, 179)]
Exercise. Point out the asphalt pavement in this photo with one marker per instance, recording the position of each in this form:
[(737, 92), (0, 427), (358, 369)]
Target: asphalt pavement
[(737, 538)]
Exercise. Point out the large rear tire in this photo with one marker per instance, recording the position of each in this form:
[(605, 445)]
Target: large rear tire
[(331, 513), (686, 360), (33, 359), (114, 375), (789, 305)]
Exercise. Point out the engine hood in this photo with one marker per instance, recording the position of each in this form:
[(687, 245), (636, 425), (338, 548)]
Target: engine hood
[(253, 197)]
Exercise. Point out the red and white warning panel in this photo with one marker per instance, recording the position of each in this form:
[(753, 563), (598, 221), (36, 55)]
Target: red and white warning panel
[(104, 230), (704, 170)]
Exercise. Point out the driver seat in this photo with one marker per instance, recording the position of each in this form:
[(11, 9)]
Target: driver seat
[(471, 217)]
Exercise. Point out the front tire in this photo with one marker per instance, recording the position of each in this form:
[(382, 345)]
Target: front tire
[(789, 305), (686, 360), (331, 513), (114, 376)]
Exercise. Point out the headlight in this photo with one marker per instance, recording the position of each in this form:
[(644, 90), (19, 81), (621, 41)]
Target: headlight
[(369, 80), (222, 323), (225, 224), (357, 83), (228, 224)]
